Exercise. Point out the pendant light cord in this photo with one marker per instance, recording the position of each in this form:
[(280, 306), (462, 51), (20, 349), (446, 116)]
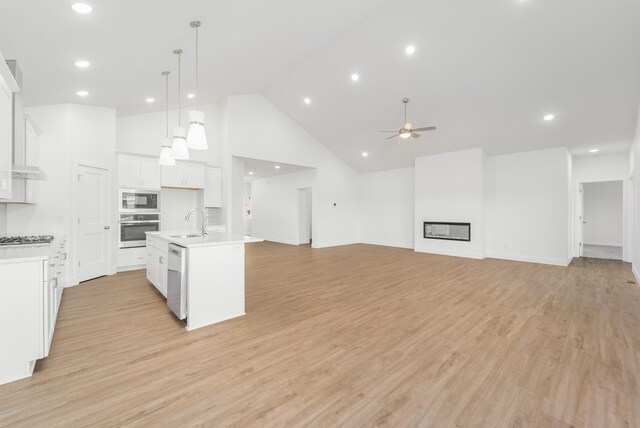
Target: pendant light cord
[(179, 88), (197, 65)]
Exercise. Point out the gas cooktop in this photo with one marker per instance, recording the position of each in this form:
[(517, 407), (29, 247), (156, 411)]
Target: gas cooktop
[(25, 240)]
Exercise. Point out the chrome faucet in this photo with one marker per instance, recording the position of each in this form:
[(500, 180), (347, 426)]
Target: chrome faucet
[(204, 219)]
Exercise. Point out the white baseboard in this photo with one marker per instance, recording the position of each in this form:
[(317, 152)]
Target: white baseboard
[(531, 259), (603, 244), (388, 244), (129, 268), (332, 244), (279, 241), (463, 254)]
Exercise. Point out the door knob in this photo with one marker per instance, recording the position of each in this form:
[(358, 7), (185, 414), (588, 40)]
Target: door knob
[(107, 227)]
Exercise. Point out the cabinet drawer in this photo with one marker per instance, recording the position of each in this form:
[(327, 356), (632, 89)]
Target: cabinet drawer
[(132, 257), (158, 243)]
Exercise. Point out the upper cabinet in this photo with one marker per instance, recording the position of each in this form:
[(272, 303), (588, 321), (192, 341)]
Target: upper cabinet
[(213, 188), (138, 172), (184, 175), (8, 86)]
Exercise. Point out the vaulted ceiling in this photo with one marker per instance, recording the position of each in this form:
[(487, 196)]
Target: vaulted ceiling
[(484, 72)]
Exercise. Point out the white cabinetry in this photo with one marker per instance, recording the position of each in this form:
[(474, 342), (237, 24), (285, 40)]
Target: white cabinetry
[(138, 172), (184, 175), (157, 270), (213, 188), (131, 258), (25, 191), (30, 294), (8, 86)]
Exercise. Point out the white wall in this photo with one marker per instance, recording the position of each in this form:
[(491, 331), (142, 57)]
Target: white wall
[(3, 220), (450, 187), (143, 133), (276, 207), (529, 206), (603, 213), (175, 205), (635, 223), (387, 208), (69, 133), (255, 128), (612, 167)]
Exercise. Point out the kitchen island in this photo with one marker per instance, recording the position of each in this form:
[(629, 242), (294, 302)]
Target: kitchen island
[(202, 274)]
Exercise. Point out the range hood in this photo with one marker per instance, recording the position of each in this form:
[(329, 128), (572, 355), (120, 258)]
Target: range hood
[(20, 169)]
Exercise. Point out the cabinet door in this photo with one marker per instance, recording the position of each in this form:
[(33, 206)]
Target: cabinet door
[(173, 176), (151, 265), (129, 172), (194, 176), (149, 173), (6, 146), (162, 272), (213, 188)]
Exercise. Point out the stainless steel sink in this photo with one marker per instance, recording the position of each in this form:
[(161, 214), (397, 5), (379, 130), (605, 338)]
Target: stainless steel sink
[(186, 236)]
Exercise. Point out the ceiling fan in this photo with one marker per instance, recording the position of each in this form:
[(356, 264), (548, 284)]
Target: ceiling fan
[(407, 130)]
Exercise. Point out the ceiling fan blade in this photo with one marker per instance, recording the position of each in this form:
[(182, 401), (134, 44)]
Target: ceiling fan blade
[(387, 131), (414, 135), (393, 136), (428, 128)]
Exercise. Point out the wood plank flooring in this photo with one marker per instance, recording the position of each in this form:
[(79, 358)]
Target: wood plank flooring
[(350, 336)]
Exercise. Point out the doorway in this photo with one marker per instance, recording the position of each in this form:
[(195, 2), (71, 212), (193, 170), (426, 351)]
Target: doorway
[(92, 221), (305, 219), (602, 220)]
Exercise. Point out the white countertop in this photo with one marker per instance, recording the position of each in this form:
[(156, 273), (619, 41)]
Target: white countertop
[(214, 238), (25, 253)]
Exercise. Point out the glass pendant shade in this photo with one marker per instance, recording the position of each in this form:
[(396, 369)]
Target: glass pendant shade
[(166, 158), (196, 140), (179, 146)]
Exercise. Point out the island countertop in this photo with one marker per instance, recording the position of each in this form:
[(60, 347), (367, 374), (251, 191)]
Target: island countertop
[(192, 239)]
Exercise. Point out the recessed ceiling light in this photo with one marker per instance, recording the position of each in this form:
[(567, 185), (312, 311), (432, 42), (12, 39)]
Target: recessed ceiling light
[(150, 100), (82, 93), (82, 64), (277, 166), (82, 8), (250, 172), (410, 50), (307, 100), (191, 95), (594, 151), (355, 77), (549, 117), (365, 154)]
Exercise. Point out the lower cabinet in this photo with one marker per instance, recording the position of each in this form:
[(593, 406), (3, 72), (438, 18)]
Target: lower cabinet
[(157, 264)]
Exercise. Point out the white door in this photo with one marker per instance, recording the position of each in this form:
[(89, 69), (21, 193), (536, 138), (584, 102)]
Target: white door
[(304, 216), (92, 212), (6, 146)]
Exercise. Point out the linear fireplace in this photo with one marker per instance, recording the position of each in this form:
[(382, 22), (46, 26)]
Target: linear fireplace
[(447, 231)]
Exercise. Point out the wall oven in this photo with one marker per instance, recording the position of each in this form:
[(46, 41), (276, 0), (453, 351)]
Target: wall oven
[(133, 228), (135, 201)]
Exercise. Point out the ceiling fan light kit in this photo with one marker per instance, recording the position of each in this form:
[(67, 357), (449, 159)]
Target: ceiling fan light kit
[(407, 132), (166, 157), (179, 148), (196, 138)]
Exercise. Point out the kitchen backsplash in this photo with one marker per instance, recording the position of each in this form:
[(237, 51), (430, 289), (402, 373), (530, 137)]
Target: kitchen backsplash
[(3, 220)]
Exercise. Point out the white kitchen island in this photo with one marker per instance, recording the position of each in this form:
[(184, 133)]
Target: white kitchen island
[(214, 267)]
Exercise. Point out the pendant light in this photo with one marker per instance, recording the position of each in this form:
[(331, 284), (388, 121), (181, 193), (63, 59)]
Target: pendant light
[(166, 158), (196, 139), (179, 146)]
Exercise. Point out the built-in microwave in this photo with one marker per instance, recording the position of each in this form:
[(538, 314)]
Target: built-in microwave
[(132, 201), (134, 228)]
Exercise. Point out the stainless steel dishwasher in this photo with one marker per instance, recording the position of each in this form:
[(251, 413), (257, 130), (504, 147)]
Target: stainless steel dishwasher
[(177, 281)]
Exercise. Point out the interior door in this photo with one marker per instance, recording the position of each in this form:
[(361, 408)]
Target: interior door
[(581, 220), (92, 210)]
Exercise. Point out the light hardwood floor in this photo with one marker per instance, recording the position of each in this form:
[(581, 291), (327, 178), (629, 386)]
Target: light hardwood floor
[(350, 336)]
